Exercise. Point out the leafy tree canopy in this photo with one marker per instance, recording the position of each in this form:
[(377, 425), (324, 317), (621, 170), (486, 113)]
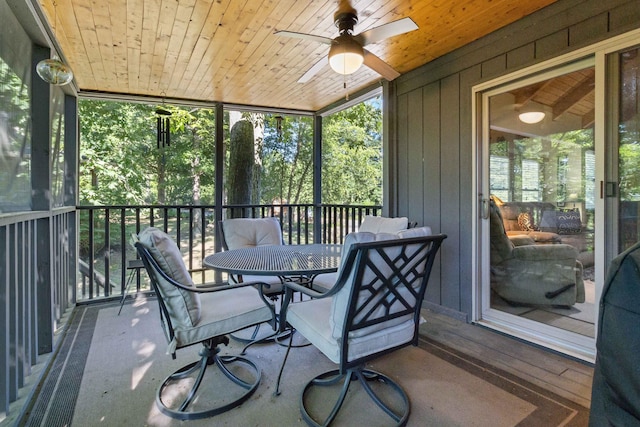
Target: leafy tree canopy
[(121, 163)]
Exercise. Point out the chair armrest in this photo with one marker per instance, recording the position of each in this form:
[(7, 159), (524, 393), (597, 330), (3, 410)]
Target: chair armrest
[(544, 252), (207, 287), (521, 240), (217, 286), (296, 287)]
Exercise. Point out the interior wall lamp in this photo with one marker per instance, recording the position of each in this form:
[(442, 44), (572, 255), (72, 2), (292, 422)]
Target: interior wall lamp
[(53, 70), (345, 55)]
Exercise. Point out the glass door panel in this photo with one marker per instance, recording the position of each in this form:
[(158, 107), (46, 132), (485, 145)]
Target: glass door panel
[(629, 149), (541, 172)]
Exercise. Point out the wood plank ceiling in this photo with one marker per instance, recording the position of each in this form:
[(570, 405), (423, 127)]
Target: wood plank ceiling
[(226, 50)]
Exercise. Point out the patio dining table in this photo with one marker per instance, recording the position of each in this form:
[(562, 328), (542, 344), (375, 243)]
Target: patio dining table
[(278, 260), (299, 263)]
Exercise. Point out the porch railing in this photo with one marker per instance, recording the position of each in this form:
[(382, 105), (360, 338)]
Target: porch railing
[(105, 232), (37, 286)]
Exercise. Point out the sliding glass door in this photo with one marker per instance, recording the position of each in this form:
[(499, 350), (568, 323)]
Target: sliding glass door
[(538, 183), (623, 182), (559, 192)]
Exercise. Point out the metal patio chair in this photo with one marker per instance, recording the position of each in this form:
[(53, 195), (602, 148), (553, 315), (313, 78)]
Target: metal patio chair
[(201, 315), (373, 309)]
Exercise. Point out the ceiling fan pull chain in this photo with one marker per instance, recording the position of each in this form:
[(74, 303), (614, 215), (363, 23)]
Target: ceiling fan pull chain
[(344, 85)]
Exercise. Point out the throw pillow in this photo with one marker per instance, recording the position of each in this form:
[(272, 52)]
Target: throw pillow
[(525, 222), (569, 221)]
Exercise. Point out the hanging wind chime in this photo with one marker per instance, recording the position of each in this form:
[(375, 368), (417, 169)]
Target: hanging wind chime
[(163, 123), (279, 127)]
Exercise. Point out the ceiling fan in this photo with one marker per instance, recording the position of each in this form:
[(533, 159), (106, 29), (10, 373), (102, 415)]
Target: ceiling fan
[(347, 52)]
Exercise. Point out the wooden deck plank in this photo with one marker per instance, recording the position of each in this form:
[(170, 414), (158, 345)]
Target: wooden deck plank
[(562, 375)]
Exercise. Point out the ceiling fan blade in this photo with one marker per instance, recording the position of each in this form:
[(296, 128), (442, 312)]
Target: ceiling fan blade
[(385, 31), (314, 70), (304, 36), (379, 66)]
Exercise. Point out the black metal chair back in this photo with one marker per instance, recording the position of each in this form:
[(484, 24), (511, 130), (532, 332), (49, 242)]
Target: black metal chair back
[(388, 281)]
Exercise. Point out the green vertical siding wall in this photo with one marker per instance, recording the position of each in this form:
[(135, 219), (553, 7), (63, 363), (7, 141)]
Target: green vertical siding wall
[(432, 120)]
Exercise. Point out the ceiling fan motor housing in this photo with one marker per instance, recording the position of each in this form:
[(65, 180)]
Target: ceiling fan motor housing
[(345, 21)]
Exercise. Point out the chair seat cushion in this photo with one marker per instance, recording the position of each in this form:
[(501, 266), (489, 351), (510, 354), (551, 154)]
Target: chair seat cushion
[(224, 312), (324, 282), (310, 319)]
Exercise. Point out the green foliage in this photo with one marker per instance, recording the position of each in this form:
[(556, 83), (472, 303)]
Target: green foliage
[(287, 159), (352, 155), (121, 164), (629, 152), (556, 155)]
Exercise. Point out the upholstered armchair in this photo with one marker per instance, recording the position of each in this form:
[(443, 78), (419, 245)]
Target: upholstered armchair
[(530, 273)]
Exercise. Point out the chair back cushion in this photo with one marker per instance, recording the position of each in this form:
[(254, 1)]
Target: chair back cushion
[(379, 224), (183, 306), (249, 232), (381, 266)]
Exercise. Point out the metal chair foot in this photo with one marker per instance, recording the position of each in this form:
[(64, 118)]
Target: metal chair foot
[(183, 410), (399, 416)]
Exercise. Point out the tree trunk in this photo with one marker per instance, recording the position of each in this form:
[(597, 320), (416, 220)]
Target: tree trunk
[(258, 131), (161, 181), (196, 174), (241, 165)]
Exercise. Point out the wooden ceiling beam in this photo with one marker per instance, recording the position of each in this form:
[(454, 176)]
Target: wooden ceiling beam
[(574, 95), (588, 119), (526, 94)]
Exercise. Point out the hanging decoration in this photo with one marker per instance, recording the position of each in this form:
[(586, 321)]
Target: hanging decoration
[(163, 123), (279, 126), (53, 70)]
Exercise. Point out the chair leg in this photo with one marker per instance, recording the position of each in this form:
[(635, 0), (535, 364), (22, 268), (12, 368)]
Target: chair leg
[(364, 377), (286, 355), (209, 356), (126, 289)]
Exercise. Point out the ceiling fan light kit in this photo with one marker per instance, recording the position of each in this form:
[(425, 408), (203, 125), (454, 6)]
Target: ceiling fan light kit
[(531, 117), (346, 55)]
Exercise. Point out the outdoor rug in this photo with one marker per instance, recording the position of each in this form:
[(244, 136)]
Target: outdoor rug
[(109, 368)]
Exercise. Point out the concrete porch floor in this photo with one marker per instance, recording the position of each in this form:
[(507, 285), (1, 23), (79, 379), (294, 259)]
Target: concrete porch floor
[(563, 376)]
